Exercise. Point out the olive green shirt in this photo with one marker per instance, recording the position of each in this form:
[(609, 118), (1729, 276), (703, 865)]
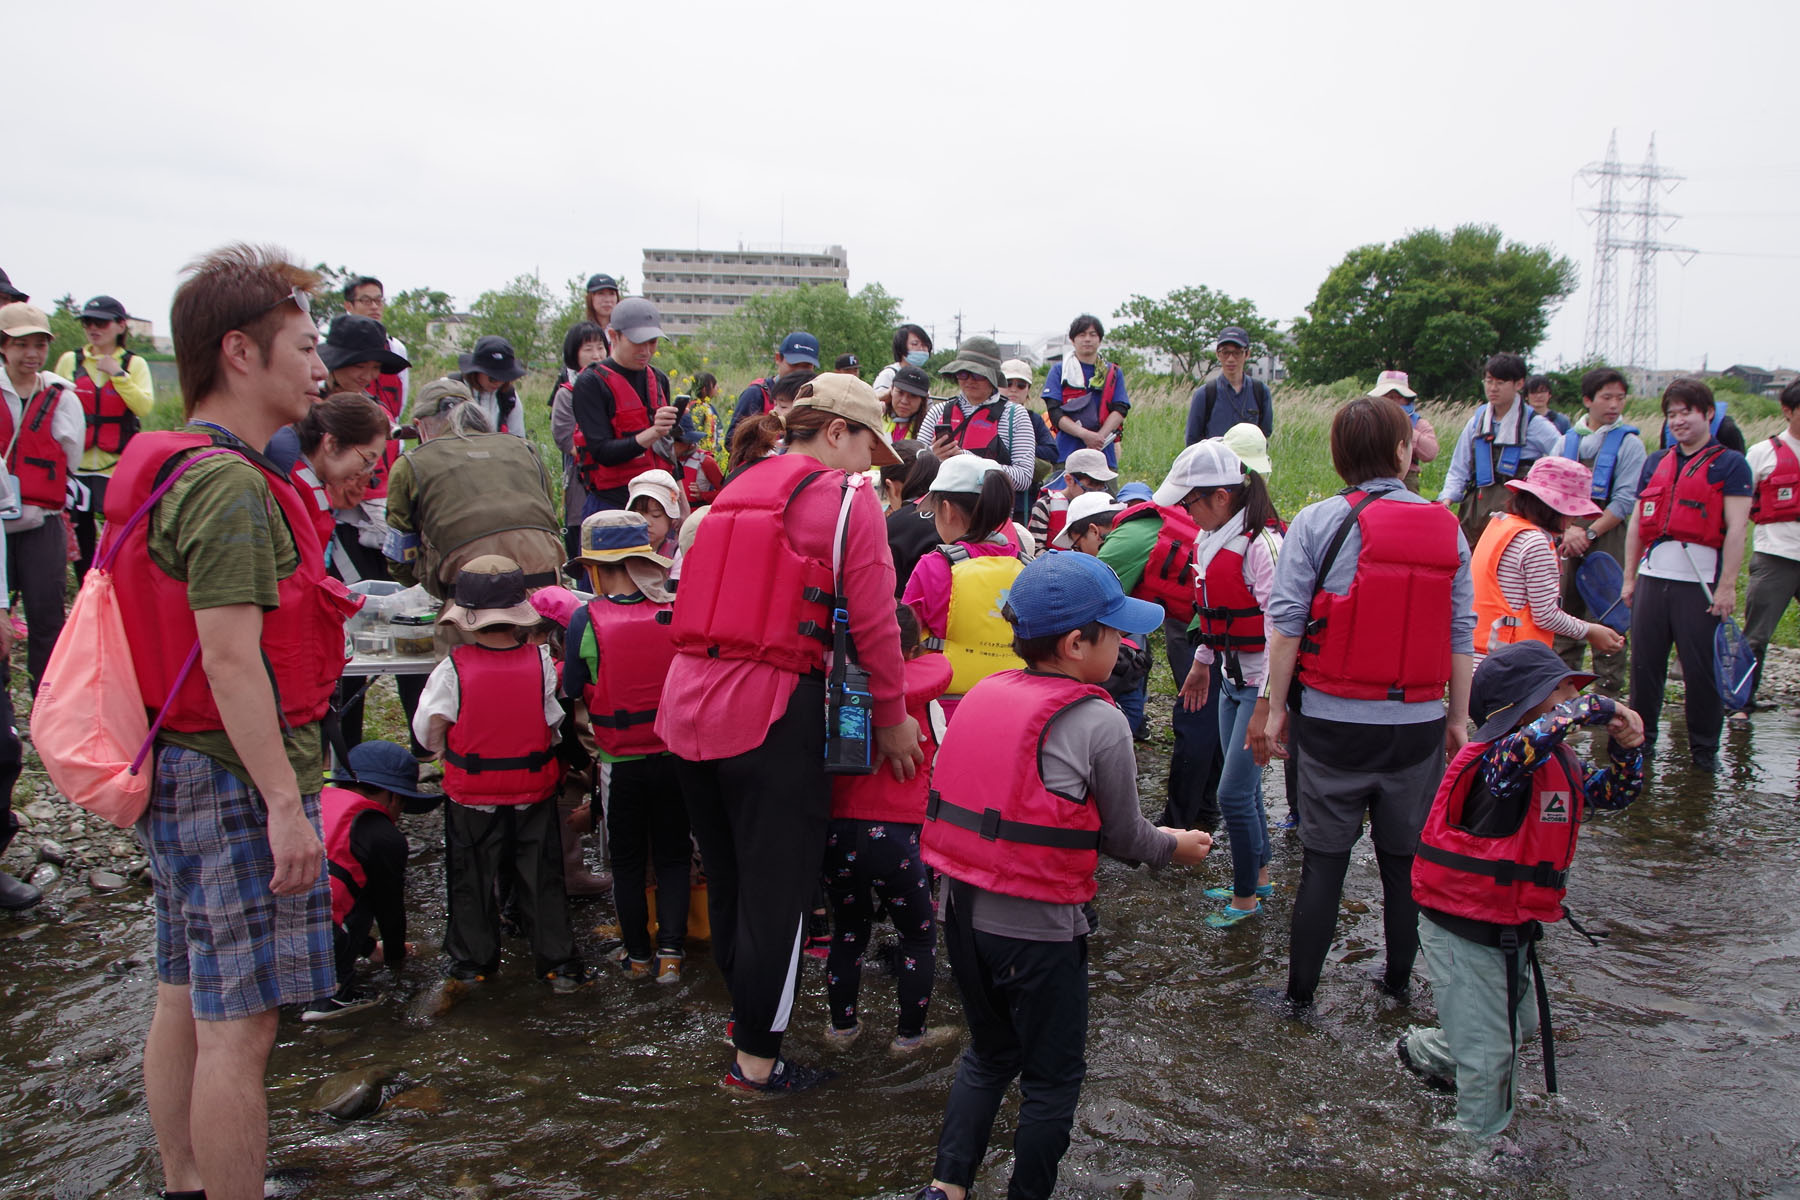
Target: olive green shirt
[(220, 531)]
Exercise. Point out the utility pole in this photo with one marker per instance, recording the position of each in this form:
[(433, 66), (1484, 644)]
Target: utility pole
[(959, 326)]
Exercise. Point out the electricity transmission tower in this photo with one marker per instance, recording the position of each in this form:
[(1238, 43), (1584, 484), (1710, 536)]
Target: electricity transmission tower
[(1632, 226)]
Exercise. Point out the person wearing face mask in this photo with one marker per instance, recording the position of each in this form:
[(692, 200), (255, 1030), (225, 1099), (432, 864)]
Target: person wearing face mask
[(116, 393), (912, 346)]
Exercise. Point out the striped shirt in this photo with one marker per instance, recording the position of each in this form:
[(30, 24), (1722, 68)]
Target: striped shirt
[(1530, 575)]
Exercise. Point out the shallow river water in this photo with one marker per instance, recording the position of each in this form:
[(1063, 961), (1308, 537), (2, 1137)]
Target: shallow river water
[(1678, 1048)]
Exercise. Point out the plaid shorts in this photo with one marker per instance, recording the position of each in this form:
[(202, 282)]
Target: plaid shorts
[(220, 932)]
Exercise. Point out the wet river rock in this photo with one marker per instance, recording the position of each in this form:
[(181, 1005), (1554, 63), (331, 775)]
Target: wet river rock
[(351, 1095)]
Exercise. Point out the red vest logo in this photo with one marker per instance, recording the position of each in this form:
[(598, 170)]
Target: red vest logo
[(1553, 808)]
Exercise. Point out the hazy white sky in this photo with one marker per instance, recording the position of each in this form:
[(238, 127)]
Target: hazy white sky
[(1019, 163)]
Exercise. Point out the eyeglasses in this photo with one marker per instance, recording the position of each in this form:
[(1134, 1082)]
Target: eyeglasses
[(302, 301), (1232, 352), (369, 460), (965, 376)]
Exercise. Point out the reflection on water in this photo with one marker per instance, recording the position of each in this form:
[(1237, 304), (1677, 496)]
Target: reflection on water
[(1677, 1049)]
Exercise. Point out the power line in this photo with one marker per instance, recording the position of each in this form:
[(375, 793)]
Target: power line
[(1637, 345)]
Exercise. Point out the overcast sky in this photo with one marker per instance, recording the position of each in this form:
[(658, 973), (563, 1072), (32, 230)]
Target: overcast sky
[(1018, 163)]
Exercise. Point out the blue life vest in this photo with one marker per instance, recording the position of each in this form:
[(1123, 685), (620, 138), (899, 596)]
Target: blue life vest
[(1511, 457), (1718, 420), (1604, 462)]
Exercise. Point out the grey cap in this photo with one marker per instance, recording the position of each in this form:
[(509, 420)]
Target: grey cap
[(637, 319)]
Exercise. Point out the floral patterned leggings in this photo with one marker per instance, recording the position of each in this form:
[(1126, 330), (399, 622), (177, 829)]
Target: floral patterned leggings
[(865, 860)]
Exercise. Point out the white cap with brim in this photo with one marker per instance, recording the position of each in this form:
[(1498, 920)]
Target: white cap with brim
[(964, 473), (1086, 507), (1207, 464)]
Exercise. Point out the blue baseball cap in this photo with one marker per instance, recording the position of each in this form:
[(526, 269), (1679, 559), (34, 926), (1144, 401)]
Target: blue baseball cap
[(800, 347), (1064, 590)]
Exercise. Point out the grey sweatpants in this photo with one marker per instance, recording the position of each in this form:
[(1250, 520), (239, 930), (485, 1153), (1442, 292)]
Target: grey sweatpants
[(1468, 981)]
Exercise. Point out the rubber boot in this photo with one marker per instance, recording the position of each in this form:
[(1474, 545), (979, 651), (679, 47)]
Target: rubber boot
[(577, 879), (16, 893)]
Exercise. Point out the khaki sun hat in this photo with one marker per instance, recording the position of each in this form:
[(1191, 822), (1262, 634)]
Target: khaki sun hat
[(848, 397), (490, 590)]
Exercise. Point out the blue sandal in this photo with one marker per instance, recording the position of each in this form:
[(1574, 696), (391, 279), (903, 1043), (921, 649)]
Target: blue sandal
[(1263, 892), (1228, 916)]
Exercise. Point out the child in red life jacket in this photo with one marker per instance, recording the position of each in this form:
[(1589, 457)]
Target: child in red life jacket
[(1036, 776), (491, 711), (619, 649), (872, 852), (365, 853), (1492, 866)]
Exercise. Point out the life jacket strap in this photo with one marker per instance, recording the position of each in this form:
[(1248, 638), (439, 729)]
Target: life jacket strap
[(991, 826), (1504, 872), (475, 764)]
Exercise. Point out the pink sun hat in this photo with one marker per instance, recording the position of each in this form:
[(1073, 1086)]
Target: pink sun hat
[(1562, 483)]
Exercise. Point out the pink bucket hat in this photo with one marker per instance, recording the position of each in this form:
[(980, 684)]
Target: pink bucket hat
[(1562, 483)]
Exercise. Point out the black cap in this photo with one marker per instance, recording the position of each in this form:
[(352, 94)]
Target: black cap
[(912, 380), (391, 767), (846, 362), (1234, 333), (8, 291), (602, 281), (103, 308), (1512, 681), (492, 356), (353, 339)]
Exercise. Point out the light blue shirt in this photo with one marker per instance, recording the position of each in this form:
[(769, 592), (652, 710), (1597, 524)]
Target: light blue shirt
[(1540, 441), (1297, 582)]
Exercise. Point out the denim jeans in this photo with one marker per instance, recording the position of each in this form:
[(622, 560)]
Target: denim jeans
[(1241, 788)]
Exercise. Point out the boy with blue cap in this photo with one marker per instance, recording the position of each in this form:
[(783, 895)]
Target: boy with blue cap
[(1018, 848)]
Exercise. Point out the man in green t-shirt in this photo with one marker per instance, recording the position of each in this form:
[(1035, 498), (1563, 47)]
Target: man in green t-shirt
[(243, 907)]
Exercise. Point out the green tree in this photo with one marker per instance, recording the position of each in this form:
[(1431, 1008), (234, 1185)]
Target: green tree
[(1434, 305), (1185, 326), (409, 317), (521, 312), (328, 302), (66, 332), (861, 324)]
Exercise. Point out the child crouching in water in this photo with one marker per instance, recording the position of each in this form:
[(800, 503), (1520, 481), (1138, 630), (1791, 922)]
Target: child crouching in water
[(1035, 778), (491, 710), (1492, 865), (619, 650), (872, 846)]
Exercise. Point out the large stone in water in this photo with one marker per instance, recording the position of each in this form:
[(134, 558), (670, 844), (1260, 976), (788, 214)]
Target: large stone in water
[(105, 881), (352, 1094), (45, 877), (52, 852)]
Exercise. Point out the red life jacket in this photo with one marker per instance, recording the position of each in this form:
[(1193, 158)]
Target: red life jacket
[(1168, 577), (110, 421), (1037, 844), (699, 469), (338, 810), (768, 391), (498, 750), (387, 392), (302, 639), (635, 647), (1689, 508), (745, 591), (1777, 498), (881, 797), (316, 502), (1507, 869), (1231, 621), (1057, 520), (980, 431), (630, 415), (1109, 387), (1388, 637), (37, 459)]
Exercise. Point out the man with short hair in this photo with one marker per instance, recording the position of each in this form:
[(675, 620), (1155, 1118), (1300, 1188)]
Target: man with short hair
[(1499, 442), (1539, 391), (799, 351), (1682, 554), (234, 622), (625, 416), (1231, 397), (364, 297), (1614, 453)]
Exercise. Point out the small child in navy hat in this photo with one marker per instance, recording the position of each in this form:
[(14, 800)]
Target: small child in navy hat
[(366, 853), (1036, 777), (1492, 867)]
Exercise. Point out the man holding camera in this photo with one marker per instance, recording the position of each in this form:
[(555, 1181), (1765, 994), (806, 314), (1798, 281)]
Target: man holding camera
[(625, 418)]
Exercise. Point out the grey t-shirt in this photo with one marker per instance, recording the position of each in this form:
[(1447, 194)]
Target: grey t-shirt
[(1086, 751)]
